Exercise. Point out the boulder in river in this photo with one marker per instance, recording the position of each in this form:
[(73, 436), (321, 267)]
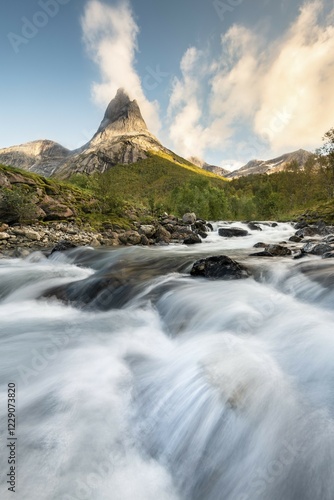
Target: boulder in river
[(192, 239), (230, 232), (273, 251), (295, 239), (219, 267), (62, 246), (189, 218), (316, 248), (254, 227), (328, 255)]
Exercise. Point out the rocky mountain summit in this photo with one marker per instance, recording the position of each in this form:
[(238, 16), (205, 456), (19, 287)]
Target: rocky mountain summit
[(122, 137), (272, 166)]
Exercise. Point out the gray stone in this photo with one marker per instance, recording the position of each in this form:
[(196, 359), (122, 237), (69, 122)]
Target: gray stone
[(230, 232), (147, 229), (316, 248), (192, 239), (189, 218)]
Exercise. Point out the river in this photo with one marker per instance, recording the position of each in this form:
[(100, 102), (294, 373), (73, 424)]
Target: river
[(168, 387)]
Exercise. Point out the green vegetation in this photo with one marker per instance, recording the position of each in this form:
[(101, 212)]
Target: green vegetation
[(159, 183), (166, 183), (26, 197), (17, 205), (288, 194)]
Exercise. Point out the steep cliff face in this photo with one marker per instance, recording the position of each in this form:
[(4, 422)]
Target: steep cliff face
[(122, 137)]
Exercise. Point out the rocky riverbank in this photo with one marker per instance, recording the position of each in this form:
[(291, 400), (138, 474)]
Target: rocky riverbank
[(19, 240)]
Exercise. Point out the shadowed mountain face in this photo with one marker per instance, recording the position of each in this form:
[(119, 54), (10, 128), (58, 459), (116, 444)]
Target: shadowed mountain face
[(271, 166), (122, 137)]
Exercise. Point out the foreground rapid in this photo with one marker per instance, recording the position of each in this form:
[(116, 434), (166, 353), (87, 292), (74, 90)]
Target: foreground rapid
[(169, 387)]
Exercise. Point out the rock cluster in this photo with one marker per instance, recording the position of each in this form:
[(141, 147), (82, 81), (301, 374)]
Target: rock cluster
[(309, 239), (18, 240)]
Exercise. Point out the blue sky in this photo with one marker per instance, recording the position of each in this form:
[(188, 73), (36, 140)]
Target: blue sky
[(224, 80)]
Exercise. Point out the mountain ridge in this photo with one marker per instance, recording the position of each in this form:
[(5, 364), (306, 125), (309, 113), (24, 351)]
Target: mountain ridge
[(215, 169), (301, 156)]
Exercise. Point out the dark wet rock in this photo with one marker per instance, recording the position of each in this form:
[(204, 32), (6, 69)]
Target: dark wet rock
[(306, 231), (322, 229), (278, 250), (95, 292), (295, 239), (328, 255), (301, 225), (210, 226), (192, 239), (265, 253), (230, 232), (144, 240), (299, 255), (202, 234), (319, 229), (254, 227), (219, 267), (274, 224), (62, 246), (273, 251), (316, 248), (260, 244), (200, 226), (329, 238)]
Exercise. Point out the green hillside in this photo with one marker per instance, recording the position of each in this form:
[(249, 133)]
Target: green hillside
[(159, 183), (165, 183)]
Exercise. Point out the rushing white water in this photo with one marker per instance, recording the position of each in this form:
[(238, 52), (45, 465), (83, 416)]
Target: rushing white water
[(173, 388)]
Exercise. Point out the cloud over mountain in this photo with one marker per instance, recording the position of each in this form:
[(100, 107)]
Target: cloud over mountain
[(279, 92), (110, 36)]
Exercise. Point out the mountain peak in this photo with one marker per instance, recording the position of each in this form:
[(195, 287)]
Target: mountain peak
[(122, 138), (123, 116)]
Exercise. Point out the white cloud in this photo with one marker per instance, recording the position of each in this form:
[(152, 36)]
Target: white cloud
[(189, 136), (110, 35), (273, 91), (298, 85)]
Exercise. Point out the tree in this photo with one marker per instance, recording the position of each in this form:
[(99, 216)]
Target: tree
[(326, 161), (17, 205)]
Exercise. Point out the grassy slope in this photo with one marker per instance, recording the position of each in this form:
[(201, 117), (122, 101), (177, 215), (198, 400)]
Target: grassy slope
[(39, 187), (158, 175), (155, 177), (322, 211)]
